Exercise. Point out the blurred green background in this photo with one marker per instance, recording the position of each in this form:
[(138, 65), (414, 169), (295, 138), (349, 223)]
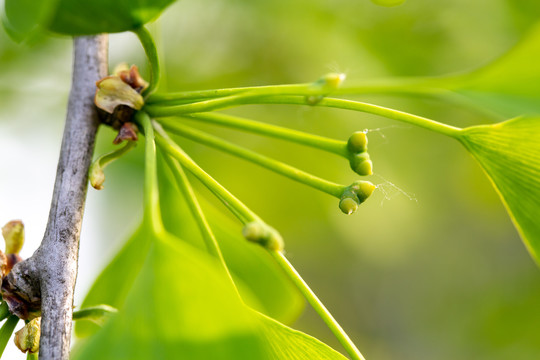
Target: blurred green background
[(430, 267)]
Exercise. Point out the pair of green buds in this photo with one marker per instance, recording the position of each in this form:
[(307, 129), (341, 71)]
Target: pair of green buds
[(360, 162), (358, 156)]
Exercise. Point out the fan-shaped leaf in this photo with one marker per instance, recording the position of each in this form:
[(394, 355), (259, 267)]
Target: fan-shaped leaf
[(76, 17), (509, 152), (115, 281), (510, 85), (182, 305), (275, 295)]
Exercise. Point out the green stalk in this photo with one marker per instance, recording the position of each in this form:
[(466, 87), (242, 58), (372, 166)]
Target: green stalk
[(189, 195), (237, 100), (152, 212), (6, 331), (32, 356), (319, 142), (264, 161), (244, 214), (4, 310), (205, 229), (317, 305), (409, 86), (97, 314), (367, 108), (151, 53), (182, 97)]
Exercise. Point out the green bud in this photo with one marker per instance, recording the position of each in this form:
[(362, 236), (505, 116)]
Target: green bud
[(357, 143), (361, 164), (27, 339), (348, 205), (388, 3), (328, 82), (333, 81), (354, 195), (264, 235), (96, 175), (13, 233), (363, 189)]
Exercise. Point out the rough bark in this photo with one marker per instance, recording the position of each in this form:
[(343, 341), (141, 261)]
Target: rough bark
[(48, 277)]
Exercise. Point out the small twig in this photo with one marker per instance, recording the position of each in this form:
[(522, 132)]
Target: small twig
[(50, 274)]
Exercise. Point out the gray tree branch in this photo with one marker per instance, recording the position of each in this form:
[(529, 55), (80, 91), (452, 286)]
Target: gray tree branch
[(50, 274)]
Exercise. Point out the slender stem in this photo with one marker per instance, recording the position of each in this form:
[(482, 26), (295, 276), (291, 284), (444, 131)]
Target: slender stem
[(205, 229), (32, 356), (4, 311), (319, 142), (264, 161), (181, 97), (97, 314), (240, 210), (191, 200), (152, 210), (96, 174), (237, 100), (317, 305), (409, 86), (368, 108), (6, 331), (152, 55), (106, 159)]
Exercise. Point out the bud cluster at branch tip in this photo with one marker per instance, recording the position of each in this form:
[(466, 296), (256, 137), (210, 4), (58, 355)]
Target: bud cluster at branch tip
[(118, 97)]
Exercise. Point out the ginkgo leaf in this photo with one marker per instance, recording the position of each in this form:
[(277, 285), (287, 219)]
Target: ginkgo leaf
[(289, 344), (509, 153), (509, 85), (275, 295), (115, 281), (23, 18), (182, 305)]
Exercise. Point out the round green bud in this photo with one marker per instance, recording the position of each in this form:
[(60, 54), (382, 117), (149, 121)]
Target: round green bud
[(361, 164), (357, 143), (388, 3), (348, 205), (264, 235), (363, 189), (332, 81)]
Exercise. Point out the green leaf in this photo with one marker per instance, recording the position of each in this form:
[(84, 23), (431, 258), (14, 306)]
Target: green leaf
[(115, 281), (509, 152), (274, 294), (289, 344), (77, 17), (510, 85), (182, 305), (23, 16)]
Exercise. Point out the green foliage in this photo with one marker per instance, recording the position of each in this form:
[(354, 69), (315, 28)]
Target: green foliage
[(76, 17), (267, 290), (509, 153), (510, 85), (181, 302)]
